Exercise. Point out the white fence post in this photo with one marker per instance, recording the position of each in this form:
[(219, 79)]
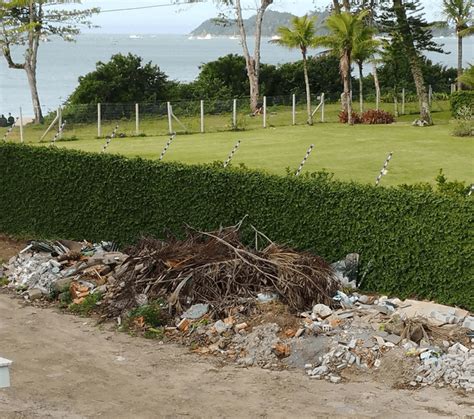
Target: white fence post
[(403, 101), (453, 87), (60, 121), (21, 125), (234, 115), (170, 120), (137, 119), (202, 116), (323, 100), (294, 109), (430, 94), (99, 120), (264, 112)]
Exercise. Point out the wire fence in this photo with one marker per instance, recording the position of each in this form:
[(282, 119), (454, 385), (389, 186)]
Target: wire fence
[(88, 121)]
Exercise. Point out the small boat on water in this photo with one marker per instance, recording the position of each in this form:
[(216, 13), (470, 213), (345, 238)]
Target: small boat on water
[(206, 37)]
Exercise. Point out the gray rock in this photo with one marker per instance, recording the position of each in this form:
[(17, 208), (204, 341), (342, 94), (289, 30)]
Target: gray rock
[(34, 294)]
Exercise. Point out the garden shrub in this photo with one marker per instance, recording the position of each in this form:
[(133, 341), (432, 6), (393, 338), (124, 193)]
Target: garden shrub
[(374, 116), (460, 99), (343, 117), (412, 242)]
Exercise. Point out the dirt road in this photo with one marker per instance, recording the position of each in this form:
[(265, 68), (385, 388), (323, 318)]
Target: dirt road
[(65, 367)]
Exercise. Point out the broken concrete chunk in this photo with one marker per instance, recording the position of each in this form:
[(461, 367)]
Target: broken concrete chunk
[(322, 310), (221, 327), (468, 323), (196, 311)]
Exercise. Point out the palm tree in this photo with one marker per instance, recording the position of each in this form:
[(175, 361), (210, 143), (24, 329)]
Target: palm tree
[(459, 12), (345, 31), (301, 35), (363, 51)]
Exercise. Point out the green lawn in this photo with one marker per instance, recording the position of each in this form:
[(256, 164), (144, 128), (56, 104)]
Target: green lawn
[(351, 153)]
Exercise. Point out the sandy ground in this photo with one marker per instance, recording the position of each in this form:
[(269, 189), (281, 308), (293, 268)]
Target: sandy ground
[(66, 367)]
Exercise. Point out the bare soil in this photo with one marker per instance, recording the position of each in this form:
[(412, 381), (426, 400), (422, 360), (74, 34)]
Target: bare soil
[(67, 367), (9, 247)]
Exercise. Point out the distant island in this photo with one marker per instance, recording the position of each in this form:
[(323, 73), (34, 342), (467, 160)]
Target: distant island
[(272, 20)]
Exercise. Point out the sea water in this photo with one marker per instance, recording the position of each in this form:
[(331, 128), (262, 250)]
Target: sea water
[(60, 63)]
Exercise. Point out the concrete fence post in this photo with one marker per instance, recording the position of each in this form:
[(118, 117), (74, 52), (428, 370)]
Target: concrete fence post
[(403, 101), (264, 112), (202, 116), (60, 120), (323, 101), (137, 119), (170, 118), (430, 94), (21, 125), (234, 114), (99, 120), (294, 108)]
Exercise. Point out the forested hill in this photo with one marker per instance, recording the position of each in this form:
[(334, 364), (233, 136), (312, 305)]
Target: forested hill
[(272, 20)]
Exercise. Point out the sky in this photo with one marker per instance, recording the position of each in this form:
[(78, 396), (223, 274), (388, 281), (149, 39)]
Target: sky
[(182, 19)]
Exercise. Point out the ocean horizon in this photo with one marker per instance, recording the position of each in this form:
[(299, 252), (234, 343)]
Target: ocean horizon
[(61, 63)]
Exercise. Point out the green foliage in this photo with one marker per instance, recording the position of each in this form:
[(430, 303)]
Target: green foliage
[(87, 306), (4, 282), (461, 99), (416, 242), (151, 313), (124, 79), (467, 78), (454, 188)]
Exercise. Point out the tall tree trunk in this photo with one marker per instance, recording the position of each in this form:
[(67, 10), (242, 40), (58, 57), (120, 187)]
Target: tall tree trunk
[(31, 75), (413, 59), (308, 89), (421, 92), (361, 87), (459, 60), (377, 86), (252, 63), (346, 76)]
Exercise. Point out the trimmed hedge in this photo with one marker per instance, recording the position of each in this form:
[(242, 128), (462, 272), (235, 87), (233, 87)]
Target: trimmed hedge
[(412, 242), (461, 99)]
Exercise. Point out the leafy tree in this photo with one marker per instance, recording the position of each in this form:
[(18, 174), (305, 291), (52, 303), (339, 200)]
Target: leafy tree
[(301, 35), (230, 71), (459, 12), (323, 72), (124, 79), (26, 22), (410, 34), (345, 31)]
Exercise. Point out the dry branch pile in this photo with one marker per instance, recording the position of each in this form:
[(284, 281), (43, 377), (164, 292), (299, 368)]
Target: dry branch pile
[(216, 268)]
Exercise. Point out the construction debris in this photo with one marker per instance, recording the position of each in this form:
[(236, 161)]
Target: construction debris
[(46, 268), (221, 297)]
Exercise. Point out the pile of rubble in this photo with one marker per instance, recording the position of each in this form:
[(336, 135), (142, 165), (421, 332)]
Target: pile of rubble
[(252, 306), (50, 268)]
